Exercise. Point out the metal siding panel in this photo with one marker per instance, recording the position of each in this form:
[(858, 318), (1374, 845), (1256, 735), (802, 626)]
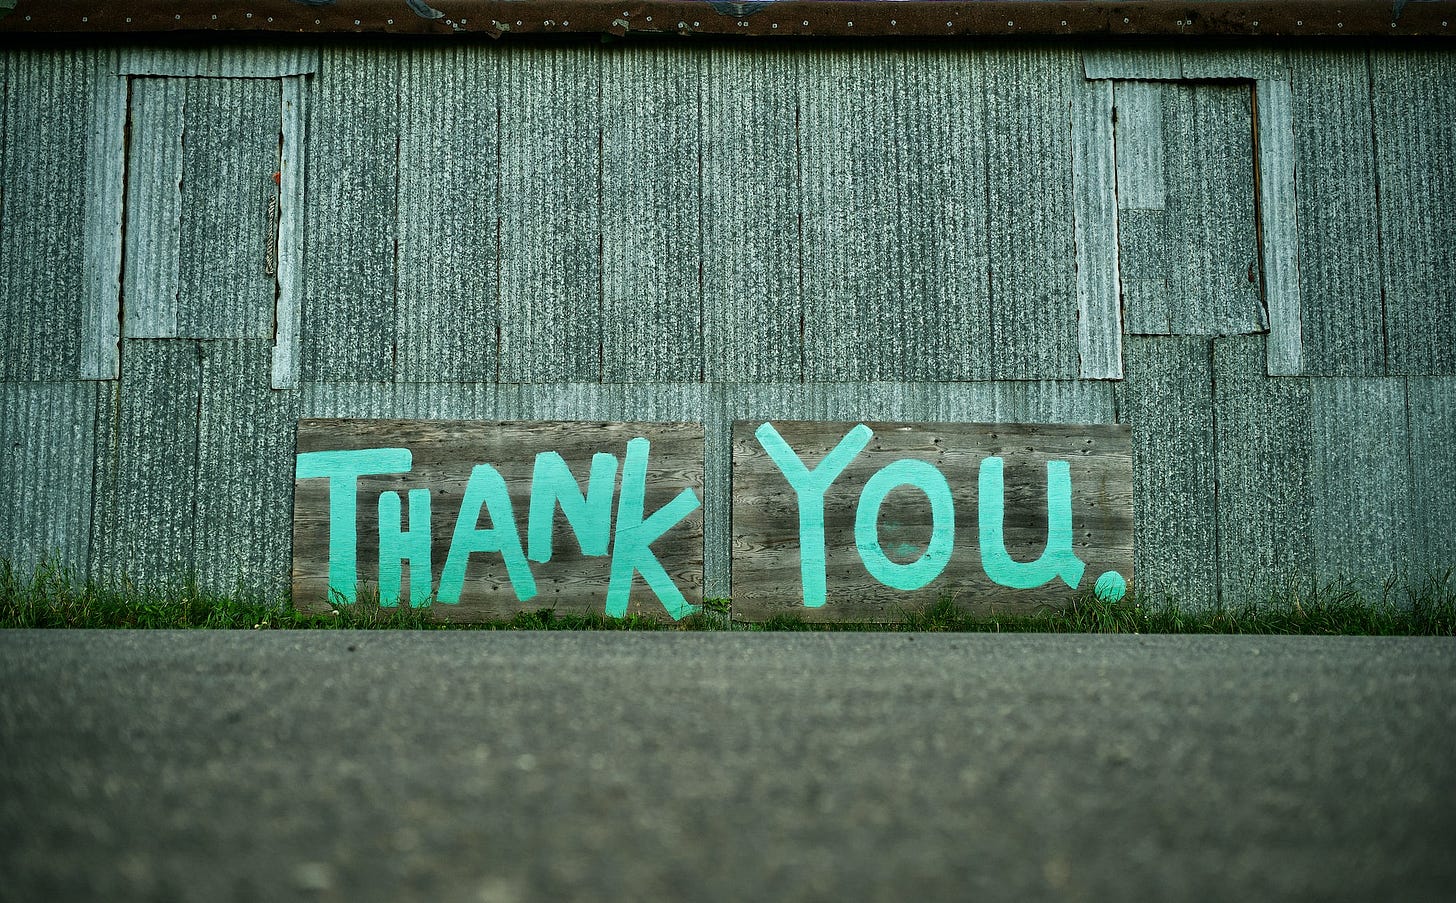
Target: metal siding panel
[(448, 201), (1055, 401), (228, 211), (105, 203), (250, 60), (1415, 131), (1264, 494), (42, 251), (148, 485), (1158, 62), (422, 401), (1167, 397), (244, 472), (849, 144), (153, 207), (289, 306), (1279, 225), (1433, 473), (1197, 260), (550, 231), (1234, 62), (47, 454), (349, 257), (895, 247), (1094, 187), (1361, 473), (1339, 264), (753, 311), (1029, 190), (651, 327)]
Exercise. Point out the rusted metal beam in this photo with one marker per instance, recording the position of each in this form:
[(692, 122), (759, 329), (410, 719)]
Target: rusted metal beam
[(778, 18)]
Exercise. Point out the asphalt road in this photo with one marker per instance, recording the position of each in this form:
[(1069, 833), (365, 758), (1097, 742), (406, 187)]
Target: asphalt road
[(217, 766)]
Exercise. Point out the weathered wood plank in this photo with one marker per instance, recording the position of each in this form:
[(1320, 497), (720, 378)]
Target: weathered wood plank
[(753, 312), (244, 477), (48, 98), (1189, 258), (228, 213), (1361, 474), (886, 536), (1264, 490), (1029, 202), (1339, 232), (659, 467), (1415, 125), (154, 207), (1168, 399), (652, 304), (1433, 473), (1094, 185), (550, 231), (445, 319), (349, 257)]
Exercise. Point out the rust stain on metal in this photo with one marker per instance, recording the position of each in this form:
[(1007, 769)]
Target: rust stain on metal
[(775, 18)]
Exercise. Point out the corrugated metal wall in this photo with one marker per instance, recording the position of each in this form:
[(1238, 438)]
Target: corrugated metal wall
[(709, 231)]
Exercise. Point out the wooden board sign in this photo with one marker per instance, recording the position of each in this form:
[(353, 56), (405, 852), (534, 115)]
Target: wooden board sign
[(872, 521), (481, 520)]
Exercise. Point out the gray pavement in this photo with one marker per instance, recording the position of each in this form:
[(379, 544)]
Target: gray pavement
[(216, 766)]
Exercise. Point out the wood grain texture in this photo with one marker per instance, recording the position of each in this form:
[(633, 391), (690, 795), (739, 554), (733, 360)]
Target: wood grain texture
[(767, 563), (1168, 399), (1265, 497), (444, 452)]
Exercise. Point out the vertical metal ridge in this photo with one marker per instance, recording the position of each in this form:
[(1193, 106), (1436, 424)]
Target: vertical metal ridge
[(446, 309), (550, 174)]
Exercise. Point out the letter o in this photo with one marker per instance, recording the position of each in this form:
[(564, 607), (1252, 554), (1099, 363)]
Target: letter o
[(925, 477)]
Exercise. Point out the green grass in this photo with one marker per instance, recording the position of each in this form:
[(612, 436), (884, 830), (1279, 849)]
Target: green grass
[(53, 597)]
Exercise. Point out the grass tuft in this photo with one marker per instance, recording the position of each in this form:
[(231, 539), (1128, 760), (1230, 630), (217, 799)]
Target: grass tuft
[(54, 597)]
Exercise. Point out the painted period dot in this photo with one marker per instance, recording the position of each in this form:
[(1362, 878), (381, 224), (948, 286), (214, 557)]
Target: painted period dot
[(1111, 587)]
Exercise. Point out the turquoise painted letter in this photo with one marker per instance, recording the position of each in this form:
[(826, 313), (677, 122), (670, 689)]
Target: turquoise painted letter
[(343, 469), (810, 486), (925, 477), (397, 544), (590, 515), (487, 489), (632, 546), (1057, 559)]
